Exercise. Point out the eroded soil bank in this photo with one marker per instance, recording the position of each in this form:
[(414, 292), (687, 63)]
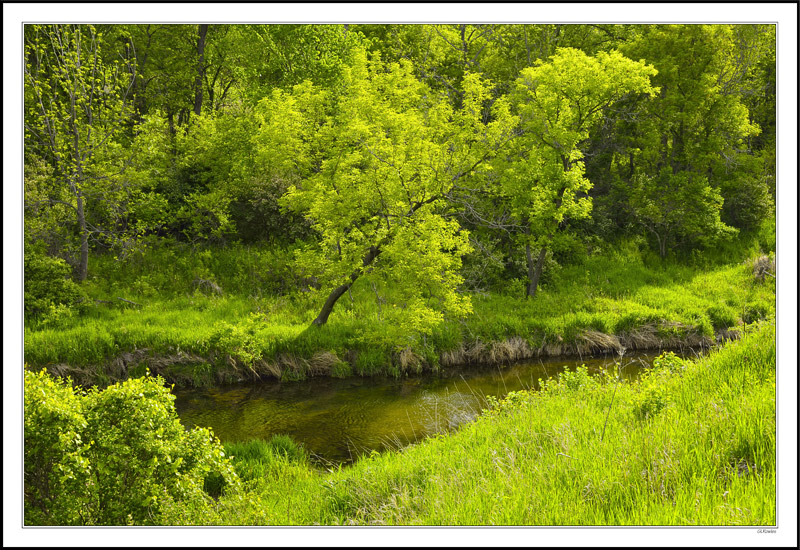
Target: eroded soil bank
[(193, 370)]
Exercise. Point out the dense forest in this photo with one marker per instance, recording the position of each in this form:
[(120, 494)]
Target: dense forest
[(219, 203), (432, 157)]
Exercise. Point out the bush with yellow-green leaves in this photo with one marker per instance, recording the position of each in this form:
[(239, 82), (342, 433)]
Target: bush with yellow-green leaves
[(116, 456)]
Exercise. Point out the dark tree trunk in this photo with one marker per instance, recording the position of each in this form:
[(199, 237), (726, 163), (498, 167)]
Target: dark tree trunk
[(171, 122), (339, 291), (198, 80), (631, 169), (334, 296), (531, 269), (534, 271)]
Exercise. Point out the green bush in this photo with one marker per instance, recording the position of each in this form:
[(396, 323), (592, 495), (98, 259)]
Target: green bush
[(240, 340), (651, 399), (114, 456), (49, 290), (766, 235), (670, 362), (654, 388), (572, 381), (56, 467)]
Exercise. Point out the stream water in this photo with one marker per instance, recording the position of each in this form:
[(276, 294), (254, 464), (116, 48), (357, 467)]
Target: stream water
[(338, 420)]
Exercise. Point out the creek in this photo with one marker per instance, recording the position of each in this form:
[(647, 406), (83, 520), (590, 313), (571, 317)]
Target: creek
[(337, 420)]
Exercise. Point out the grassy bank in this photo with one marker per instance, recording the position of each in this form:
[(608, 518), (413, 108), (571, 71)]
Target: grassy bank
[(241, 313), (690, 444)]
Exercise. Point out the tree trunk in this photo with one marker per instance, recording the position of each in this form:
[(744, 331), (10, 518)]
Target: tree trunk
[(198, 80), (630, 169), (327, 308), (534, 272), (339, 291), (531, 269), (662, 245), (83, 266)]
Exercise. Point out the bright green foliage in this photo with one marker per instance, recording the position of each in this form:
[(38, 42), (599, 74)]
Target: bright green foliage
[(656, 385), (559, 102), (49, 288), (287, 126), (113, 456), (57, 467), (390, 154), (76, 107), (678, 206), (560, 99), (49, 218), (699, 122), (696, 121), (568, 382)]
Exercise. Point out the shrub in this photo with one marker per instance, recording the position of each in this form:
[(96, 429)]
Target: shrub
[(48, 286), (670, 362), (651, 399), (512, 400), (56, 467), (747, 200), (571, 381), (239, 340), (114, 456), (654, 391)]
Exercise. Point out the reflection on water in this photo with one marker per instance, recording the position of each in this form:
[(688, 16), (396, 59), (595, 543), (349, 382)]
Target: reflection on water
[(340, 419)]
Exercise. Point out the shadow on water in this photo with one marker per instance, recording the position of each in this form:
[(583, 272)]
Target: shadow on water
[(338, 420)]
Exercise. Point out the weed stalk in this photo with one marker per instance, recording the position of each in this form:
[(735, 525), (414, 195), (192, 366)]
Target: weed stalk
[(613, 395)]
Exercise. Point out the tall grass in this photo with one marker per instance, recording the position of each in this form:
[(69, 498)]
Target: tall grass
[(692, 443)]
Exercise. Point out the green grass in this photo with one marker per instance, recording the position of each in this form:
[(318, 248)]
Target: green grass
[(262, 321), (692, 443)]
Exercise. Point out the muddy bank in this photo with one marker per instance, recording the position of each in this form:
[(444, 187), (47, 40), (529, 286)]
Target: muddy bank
[(192, 370), (666, 336)]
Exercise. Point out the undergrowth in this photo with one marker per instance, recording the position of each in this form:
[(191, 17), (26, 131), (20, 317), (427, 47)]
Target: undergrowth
[(253, 318)]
